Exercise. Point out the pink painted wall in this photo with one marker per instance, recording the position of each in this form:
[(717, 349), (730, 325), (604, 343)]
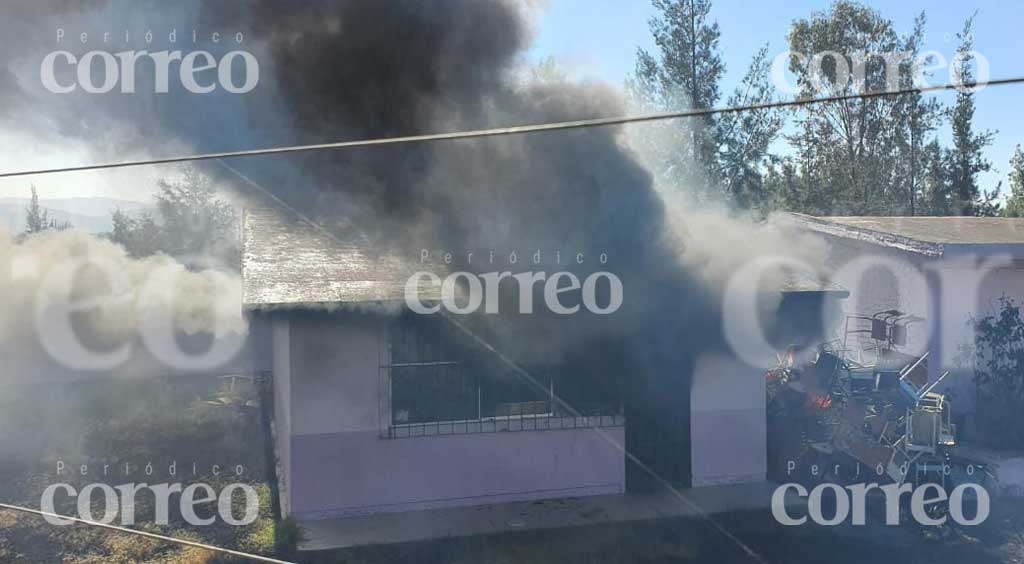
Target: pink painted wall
[(354, 473), (340, 465)]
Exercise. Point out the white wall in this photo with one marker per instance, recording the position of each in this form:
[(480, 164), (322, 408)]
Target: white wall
[(728, 431), (956, 286), (900, 281), (340, 465), (281, 363), (335, 365), (974, 293)]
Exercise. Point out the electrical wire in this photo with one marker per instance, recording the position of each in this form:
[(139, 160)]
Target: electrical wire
[(521, 129)]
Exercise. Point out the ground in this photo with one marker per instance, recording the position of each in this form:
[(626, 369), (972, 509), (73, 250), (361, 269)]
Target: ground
[(668, 541), (202, 421), (174, 420)]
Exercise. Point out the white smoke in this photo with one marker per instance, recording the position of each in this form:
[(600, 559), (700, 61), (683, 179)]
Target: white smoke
[(712, 238), (70, 295)]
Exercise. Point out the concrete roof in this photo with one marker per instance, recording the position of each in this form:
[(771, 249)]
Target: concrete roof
[(804, 283), (287, 262), (925, 235)]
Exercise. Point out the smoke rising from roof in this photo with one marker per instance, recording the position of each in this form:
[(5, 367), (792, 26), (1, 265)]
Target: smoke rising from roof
[(348, 69), (354, 69)]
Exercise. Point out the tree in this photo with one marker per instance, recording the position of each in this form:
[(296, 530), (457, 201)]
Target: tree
[(721, 155), (1015, 201), (685, 75), (193, 220), (787, 188), (864, 154), (922, 117), (966, 158), (140, 236), (191, 224), (998, 351), (689, 69), (37, 219), (548, 71), (743, 139), (936, 198)]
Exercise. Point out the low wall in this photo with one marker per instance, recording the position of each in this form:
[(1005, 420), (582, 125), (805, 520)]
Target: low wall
[(342, 474)]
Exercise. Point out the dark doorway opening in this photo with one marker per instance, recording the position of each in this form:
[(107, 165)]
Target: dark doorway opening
[(658, 433)]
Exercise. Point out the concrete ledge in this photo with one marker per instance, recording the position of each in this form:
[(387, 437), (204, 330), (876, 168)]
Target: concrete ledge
[(603, 490), (411, 526)]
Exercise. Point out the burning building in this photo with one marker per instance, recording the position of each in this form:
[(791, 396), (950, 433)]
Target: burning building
[(379, 409)]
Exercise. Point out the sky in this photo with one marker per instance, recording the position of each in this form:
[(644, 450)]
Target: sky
[(599, 39)]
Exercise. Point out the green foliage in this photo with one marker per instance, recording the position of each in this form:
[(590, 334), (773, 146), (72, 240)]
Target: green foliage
[(140, 235), (875, 156), (720, 155), (865, 155), (37, 219), (744, 138), (999, 374), (194, 220), (192, 224), (689, 68), (966, 158), (936, 198), (685, 74), (182, 419), (1015, 201)]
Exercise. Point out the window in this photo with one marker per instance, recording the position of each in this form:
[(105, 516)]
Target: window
[(435, 381)]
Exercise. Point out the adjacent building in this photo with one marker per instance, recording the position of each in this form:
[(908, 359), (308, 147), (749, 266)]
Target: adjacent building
[(939, 273)]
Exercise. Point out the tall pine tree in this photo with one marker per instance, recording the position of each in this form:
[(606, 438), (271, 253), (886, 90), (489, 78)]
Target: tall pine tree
[(36, 217), (966, 158), (685, 74), (720, 155)]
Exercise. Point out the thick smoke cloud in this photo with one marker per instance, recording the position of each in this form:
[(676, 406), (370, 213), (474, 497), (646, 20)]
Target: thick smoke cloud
[(354, 69), (68, 289), (351, 69)]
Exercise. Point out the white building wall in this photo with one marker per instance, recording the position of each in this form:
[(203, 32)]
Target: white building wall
[(281, 365), (340, 465), (880, 278), (971, 293), (728, 432), (947, 291)]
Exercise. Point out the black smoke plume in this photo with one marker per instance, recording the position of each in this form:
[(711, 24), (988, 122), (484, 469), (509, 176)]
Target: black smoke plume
[(354, 70)]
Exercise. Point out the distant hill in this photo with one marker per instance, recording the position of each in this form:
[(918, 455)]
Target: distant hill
[(89, 214)]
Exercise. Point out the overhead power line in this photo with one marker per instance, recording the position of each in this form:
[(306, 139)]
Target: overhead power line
[(520, 129), (253, 557)]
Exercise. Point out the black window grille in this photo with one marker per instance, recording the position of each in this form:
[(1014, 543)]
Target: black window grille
[(434, 382)]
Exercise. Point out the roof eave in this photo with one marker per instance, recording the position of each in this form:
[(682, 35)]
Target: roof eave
[(879, 238)]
